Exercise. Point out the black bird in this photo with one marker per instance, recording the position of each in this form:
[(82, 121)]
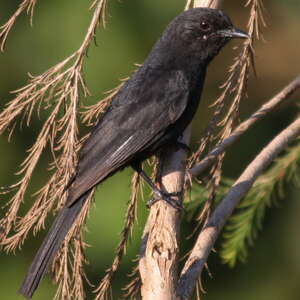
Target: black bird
[(151, 111)]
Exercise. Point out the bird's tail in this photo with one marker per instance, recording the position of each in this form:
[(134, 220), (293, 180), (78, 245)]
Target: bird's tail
[(50, 246)]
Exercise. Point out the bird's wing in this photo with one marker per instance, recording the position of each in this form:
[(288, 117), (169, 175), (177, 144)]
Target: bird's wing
[(139, 117)]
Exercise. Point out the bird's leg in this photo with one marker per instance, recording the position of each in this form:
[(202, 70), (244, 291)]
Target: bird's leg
[(183, 146), (158, 193)]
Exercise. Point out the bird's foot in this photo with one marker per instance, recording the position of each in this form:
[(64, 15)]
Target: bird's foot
[(168, 197)]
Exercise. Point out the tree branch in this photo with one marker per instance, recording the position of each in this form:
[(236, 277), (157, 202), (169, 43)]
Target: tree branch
[(159, 250), (207, 237), (158, 258), (266, 108)]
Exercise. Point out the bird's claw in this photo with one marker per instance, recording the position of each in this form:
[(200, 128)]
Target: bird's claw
[(160, 195)]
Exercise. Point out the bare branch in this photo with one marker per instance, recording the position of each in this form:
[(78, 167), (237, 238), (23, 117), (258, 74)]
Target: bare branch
[(158, 260), (266, 108), (207, 237), (243, 226)]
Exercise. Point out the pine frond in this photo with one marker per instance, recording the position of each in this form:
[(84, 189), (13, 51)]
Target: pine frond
[(92, 113), (133, 288), (245, 224), (58, 90), (234, 88), (25, 6), (68, 266), (226, 114)]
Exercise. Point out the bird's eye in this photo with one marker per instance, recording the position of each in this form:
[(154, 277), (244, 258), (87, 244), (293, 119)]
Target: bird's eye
[(205, 26)]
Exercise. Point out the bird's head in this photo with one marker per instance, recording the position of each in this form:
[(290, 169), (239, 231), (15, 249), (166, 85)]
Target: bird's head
[(200, 32)]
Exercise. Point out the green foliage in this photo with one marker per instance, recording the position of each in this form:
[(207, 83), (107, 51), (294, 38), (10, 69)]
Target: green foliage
[(243, 227)]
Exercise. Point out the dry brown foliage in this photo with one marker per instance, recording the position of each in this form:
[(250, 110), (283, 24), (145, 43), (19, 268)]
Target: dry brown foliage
[(132, 289), (226, 107), (25, 5), (68, 267), (58, 91), (103, 290)]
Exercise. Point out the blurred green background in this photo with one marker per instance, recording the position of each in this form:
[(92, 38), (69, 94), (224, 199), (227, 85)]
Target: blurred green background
[(273, 268)]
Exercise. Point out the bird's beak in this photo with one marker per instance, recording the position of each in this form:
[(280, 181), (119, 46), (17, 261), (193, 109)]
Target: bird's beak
[(234, 33)]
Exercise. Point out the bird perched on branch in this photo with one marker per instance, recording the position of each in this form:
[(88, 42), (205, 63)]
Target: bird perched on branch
[(150, 112)]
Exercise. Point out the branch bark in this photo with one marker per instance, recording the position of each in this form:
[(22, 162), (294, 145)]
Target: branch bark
[(158, 259), (159, 250), (207, 237), (266, 108)]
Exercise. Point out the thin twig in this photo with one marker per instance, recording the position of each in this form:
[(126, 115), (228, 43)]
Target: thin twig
[(207, 237), (104, 287), (234, 89), (265, 109), (92, 113), (132, 289), (25, 5), (69, 273)]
